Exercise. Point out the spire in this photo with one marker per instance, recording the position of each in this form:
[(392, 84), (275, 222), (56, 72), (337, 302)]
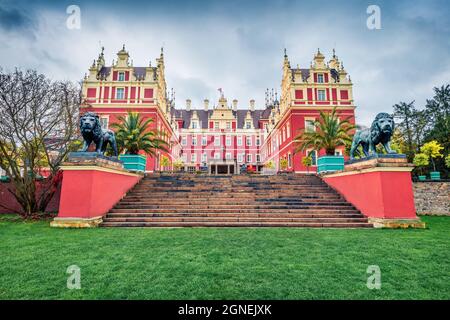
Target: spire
[(285, 53), (162, 52), (334, 53)]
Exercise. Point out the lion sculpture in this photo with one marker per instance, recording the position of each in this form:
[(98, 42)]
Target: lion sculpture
[(380, 131), (92, 131)]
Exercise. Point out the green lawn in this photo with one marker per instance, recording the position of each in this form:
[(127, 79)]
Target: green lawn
[(224, 263)]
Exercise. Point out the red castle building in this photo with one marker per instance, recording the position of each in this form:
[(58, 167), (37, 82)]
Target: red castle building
[(222, 138)]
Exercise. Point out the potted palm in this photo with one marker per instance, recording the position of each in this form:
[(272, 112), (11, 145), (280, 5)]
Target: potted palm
[(421, 160), (178, 165), (330, 132), (433, 150), (135, 140)]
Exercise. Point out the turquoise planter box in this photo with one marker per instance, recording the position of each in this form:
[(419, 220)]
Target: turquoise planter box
[(134, 162), (330, 163), (435, 175), (422, 178)]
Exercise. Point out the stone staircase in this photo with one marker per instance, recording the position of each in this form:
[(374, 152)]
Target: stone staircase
[(186, 200)]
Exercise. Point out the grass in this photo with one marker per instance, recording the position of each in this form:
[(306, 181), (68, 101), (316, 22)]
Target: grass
[(223, 263)]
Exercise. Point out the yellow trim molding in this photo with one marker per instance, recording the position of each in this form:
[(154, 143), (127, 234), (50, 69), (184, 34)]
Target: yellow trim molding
[(97, 168)]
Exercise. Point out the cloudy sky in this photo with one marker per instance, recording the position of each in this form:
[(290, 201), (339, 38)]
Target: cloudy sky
[(238, 45)]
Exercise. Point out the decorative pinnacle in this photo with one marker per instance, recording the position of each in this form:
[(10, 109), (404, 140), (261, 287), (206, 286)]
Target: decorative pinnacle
[(123, 47), (285, 53), (334, 53)]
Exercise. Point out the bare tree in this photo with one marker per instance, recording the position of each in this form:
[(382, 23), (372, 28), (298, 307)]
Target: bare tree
[(38, 127)]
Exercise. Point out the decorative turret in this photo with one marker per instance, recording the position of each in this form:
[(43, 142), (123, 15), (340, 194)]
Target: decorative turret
[(122, 58), (101, 60), (319, 61)]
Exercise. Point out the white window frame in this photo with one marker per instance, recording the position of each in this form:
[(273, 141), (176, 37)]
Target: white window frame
[(216, 125), (193, 157), (117, 93), (204, 157), (194, 140), (311, 128), (258, 157), (240, 157), (105, 125), (319, 95), (314, 163), (228, 156), (204, 140), (184, 141), (248, 141), (248, 158), (228, 141), (228, 125), (217, 141), (258, 141), (194, 124), (217, 155), (239, 141), (119, 78), (248, 124), (320, 76)]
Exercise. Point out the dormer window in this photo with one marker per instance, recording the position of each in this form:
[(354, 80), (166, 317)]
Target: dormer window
[(320, 78), (248, 125), (121, 76), (194, 124)]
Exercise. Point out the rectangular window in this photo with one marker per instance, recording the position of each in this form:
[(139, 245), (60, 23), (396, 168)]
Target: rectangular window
[(204, 157), (249, 158), (193, 157), (239, 141), (216, 125), (320, 78), (313, 155), (104, 122), (183, 141), (184, 157), (194, 124), (228, 141), (120, 93), (258, 158), (248, 141), (288, 130), (217, 155), (258, 141), (204, 141), (121, 76), (265, 126), (194, 140), (338, 152), (289, 160), (309, 126), (217, 141), (321, 95), (248, 125), (240, 157), (228, 156), (228, 125)]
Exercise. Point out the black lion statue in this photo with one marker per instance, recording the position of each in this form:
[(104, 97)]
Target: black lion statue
[(380, 131), (92, 131)]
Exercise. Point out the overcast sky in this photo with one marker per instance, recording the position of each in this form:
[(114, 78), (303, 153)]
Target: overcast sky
[(238, 45)]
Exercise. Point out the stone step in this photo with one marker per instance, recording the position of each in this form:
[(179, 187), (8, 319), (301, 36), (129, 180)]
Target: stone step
[(243, 215), (231, 219), (240, 224), (232, 206), (237, 210)]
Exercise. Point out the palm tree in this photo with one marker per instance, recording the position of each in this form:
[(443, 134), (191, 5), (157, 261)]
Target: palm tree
[(133, 134), (330, 133)]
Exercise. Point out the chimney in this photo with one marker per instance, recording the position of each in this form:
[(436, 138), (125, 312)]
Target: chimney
[(252, 105), (206, 103), (188, 104), (235, 104)]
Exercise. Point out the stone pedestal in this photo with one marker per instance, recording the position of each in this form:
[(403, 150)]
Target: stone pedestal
[(91, 186), (381, 188)]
